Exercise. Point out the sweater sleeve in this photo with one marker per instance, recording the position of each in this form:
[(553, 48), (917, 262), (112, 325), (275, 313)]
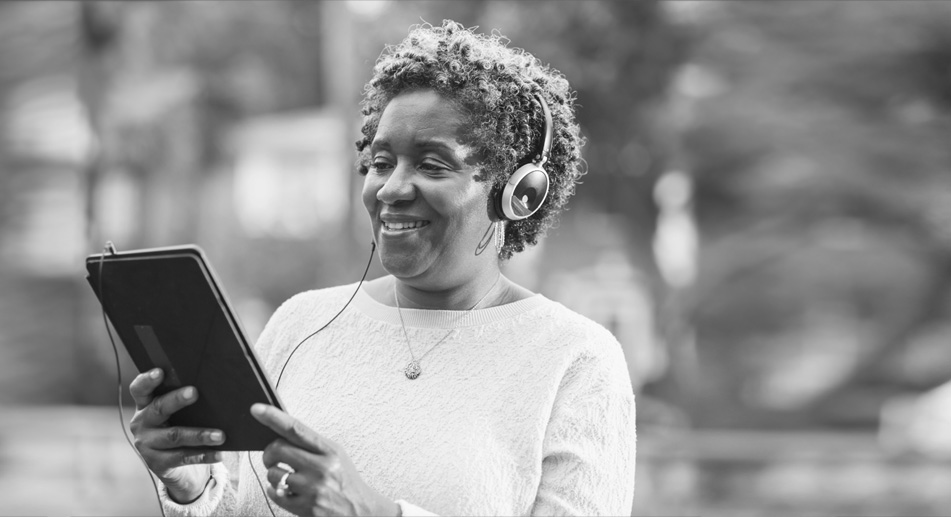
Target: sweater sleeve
[(411, 510), (219, 499), (589, 446)]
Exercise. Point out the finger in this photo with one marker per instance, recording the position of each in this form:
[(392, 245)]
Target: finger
[(281, 451), (285, 501), (181, 457), (161, 408), (143, 385), (291, 429), (296, 502), (176, 437), (198, 456), (276, 473), (161, 459), (301, 486)]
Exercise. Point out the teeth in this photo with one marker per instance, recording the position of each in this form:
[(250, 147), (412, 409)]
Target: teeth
[(404, 226)]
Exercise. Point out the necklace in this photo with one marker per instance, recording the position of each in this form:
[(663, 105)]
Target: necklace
[(413, 369)]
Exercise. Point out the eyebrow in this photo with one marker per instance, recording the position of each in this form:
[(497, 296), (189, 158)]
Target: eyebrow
[(429, 143), (435, 144)]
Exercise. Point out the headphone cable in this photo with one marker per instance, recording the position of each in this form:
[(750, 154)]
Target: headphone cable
[(288, 360), (354, 295), (115, 350)]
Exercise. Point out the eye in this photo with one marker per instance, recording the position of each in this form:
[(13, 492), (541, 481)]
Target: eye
[(432, 166), (380, 165)]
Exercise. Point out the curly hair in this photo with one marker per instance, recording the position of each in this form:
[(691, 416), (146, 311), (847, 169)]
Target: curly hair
[(494, 87)]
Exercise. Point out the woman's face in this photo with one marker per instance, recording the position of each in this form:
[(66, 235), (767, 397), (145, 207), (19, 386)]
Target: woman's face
[(427, 210)]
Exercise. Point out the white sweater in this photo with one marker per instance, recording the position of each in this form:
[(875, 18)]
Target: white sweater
[(526, 409)]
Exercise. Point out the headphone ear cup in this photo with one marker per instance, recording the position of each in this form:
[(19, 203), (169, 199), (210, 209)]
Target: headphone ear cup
[(524, 193)]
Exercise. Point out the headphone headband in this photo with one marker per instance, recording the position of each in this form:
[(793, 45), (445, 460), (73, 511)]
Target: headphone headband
[(527, 187), (546, 146)]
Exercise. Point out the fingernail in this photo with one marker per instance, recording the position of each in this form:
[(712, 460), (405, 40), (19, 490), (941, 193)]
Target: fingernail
[(155, 373), (216, 436), (257, 409), (188, 393)]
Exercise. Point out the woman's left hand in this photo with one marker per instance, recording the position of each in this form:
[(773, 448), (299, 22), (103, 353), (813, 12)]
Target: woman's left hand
[(324, 481)]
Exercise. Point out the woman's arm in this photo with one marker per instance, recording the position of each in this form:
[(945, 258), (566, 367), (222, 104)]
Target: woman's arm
[(590, 443), (218, 498)]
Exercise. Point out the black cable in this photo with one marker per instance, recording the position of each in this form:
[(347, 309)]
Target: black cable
[(258, 479), (312, 334), (354, 295), (115, 350), (288, 360)]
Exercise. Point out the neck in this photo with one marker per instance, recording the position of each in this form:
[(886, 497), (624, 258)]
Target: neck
[(482, 290)]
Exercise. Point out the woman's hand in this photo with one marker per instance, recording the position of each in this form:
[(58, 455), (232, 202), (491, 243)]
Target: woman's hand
[(175, 454), (324, 481)]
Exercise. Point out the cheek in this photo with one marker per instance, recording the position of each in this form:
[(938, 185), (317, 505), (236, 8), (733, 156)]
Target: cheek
[(370, 188), (471, 207)]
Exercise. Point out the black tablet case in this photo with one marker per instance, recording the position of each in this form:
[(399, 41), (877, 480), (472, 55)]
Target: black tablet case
[(169, 311)]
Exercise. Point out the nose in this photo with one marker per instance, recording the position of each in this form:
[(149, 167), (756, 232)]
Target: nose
[(398, 186)]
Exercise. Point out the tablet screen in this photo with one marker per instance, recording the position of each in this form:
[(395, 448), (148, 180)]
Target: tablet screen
[(170, 312)]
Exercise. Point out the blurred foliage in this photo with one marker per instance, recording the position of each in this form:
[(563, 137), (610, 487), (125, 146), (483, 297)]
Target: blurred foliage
[(814, 134), (823, 193)]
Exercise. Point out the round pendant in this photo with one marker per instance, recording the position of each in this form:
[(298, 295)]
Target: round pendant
[(412, 370)]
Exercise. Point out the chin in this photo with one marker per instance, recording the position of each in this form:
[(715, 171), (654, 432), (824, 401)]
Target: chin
[(400, 265)]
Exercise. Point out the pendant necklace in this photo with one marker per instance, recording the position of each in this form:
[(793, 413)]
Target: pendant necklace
[(413, 369)]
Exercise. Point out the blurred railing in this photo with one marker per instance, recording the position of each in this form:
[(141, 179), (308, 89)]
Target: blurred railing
[(790, 473), (71, 460)]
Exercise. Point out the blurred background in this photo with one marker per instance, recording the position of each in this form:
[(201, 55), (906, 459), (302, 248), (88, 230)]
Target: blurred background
[(765, 225)]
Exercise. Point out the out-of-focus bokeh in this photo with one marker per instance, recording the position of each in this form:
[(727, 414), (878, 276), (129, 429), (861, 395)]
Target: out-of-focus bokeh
[(765, 224)]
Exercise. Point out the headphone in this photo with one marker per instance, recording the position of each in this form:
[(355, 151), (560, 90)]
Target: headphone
[(527, 188)]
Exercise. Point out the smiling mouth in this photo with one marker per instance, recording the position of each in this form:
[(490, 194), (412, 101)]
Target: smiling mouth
[(413, 225)]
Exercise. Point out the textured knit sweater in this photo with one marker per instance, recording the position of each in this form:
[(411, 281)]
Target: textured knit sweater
[(525, 409)]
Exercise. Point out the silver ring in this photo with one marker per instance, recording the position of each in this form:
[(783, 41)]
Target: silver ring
[(282, 489)]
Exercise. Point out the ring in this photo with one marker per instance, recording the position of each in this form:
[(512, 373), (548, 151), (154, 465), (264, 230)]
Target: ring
[(282, 489)]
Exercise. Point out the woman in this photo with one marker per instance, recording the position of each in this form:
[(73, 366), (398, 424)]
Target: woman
[(444, 388)]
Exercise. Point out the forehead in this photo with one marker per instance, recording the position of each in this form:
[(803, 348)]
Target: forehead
[(419, 115)]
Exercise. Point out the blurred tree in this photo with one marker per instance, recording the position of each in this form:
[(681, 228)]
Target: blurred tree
[(620, 57), (823, 185), (99, 29)]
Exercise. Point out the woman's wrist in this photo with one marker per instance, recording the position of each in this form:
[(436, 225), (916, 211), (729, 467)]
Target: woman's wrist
[(183, 498)]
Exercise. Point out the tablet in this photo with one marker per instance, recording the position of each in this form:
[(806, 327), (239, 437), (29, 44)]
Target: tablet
[(170, 312)]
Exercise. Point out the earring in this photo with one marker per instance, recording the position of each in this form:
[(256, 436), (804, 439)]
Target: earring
[(499, 236)]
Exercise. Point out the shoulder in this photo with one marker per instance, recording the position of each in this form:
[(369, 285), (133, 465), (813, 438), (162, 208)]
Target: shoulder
[(588, 350), (582, 333)]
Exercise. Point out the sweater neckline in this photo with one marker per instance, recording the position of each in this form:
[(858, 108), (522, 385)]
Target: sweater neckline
[(444, 319)]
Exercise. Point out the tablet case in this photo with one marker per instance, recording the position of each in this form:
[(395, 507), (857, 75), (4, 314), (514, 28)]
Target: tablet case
[(169, 311)]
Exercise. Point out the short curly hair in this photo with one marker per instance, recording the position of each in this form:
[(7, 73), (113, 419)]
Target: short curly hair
[(494, 85)]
